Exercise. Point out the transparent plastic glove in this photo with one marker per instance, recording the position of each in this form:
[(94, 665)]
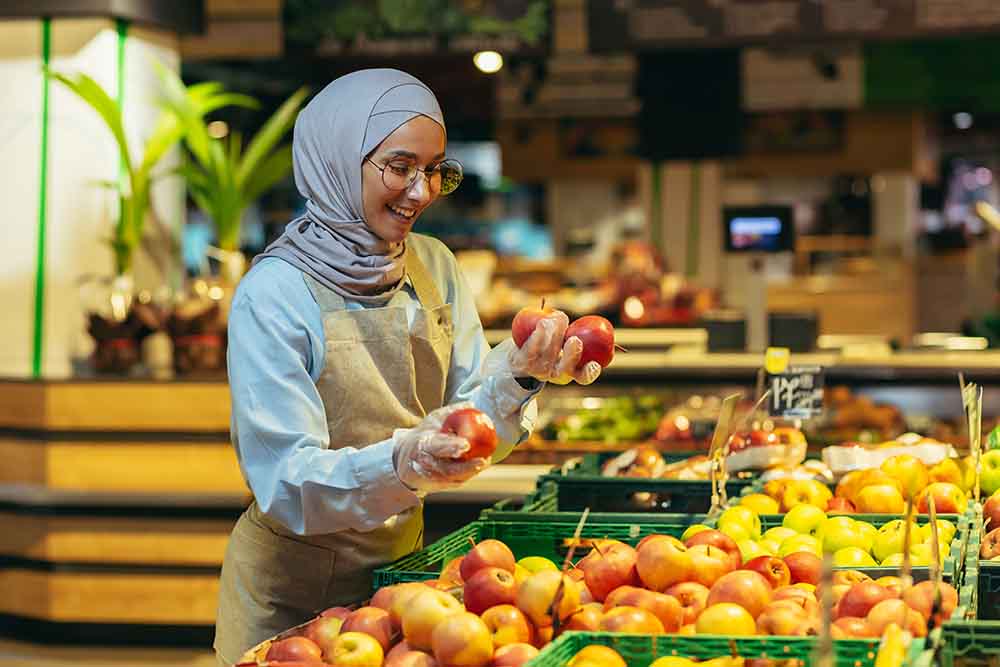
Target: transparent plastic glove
[(546, 357), (425, 458)]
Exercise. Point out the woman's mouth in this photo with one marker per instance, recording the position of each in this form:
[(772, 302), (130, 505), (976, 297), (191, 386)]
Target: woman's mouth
[(402, 215)]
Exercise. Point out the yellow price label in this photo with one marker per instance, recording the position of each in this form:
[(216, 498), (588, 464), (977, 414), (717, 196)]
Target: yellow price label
[(776, 360)]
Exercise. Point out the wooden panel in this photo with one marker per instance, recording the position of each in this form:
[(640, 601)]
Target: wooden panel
[(115, 406), (141, 541), (214, 8), (178, 599), (238, 38), (142, 467)]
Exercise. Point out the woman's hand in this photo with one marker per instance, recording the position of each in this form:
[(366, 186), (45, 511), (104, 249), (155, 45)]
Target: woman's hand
[(547, 357), (427, 460)]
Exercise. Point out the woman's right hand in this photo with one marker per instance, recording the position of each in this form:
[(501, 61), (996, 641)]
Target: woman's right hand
[(426, 459)]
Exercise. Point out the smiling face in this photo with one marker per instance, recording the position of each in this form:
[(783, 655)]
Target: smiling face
[(390, 214)]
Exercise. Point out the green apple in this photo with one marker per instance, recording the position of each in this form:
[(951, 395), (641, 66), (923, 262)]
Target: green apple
[(778, 534), (750, 550), (893, 560), (692, 529), (740, 518), (737, 532), (867, 529), (890, 538), (989, 477), (804, 519), (839, 532), (853, 557), (801, 543), (946, 531), (537, 564)]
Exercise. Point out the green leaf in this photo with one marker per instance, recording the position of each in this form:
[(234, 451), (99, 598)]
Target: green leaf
[(90, 92), (269, 135), (272, 170)]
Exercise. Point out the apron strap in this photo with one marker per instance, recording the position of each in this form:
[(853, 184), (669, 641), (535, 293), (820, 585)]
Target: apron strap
[(327, 299), (423, 284)]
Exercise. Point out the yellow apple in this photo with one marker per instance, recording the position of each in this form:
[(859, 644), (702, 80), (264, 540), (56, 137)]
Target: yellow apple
[(880, 499), (853, 557), (804, 519), (692, 530), (760, 503), (909, 471), (946, 470), (801, 543)]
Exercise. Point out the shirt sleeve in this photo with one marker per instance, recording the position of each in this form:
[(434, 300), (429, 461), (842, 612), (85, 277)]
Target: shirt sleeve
[(481, 375), (279, 423)]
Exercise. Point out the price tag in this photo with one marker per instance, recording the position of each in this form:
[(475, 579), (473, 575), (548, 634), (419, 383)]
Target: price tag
[(776, 360), (797, 392)]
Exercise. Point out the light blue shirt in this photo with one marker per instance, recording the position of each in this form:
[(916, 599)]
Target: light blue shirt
[(278, 423)]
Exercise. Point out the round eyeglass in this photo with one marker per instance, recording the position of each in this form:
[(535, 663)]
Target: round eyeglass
[(444, 177)]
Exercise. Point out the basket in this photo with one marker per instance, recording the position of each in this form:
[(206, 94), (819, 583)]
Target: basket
[(642, 650), (579, 485), (529, 535)]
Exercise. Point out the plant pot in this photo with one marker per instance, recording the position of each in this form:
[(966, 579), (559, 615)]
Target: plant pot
[(119, 321), (198, 331)]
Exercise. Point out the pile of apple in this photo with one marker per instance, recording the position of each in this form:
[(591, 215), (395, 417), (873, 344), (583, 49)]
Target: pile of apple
[(852, 543), (488, 610), (882, 490)]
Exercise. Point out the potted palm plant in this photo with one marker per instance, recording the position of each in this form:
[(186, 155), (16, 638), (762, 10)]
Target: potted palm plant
[(223, 177), (119, 324)]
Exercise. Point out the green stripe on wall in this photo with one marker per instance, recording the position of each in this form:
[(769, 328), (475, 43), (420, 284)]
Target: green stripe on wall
[(694, 223), (121, 27), (36, 355)]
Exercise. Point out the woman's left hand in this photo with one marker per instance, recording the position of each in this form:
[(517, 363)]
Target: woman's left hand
[(547, 357)]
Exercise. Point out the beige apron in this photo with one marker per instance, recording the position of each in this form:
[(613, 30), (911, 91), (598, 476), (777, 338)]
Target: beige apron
[(379, 374)]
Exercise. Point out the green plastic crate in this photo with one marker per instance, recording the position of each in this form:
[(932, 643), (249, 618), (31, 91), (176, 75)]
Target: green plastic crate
[(529, 535), (970, 643), (581, 485), (642, 650)]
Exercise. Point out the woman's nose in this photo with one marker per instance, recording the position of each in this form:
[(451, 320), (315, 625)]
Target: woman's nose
[(420, 189)]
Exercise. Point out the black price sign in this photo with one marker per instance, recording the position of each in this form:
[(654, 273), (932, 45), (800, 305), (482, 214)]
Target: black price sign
[(796, 393)]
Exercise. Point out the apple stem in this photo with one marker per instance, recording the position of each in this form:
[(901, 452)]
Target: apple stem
[(598, 549), (472, 541), (621, 348), (543, 303)]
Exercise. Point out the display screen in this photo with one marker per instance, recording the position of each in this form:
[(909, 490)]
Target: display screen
[(758, 229)]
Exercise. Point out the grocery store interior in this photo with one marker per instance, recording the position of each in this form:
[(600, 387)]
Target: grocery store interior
[(786, 210)]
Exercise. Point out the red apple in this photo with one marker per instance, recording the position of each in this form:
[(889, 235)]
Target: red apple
[(608, 568), (423, 612), (665, 607), (451, 573), (719, 540), (991, 544), (508, 625), (693, 598), (861, 597), (991, 512), (771, 568), (662, 561), (336, 612), (586, 618), (631, 619), (853, 627), (895, 611), (804, 567), (402, 655), (525, 322), (803, 598), (488, 553), (849, 577), (295, 648), (323, 631), (514, 655), (372, 621), (746, 588), (489, 587), (948, 498), (462, 640), (708, 564), (356, 649), (920, 598), (477, 428), (782, 617), (395, 598), (536, 595), (598, 338), (838, 505)]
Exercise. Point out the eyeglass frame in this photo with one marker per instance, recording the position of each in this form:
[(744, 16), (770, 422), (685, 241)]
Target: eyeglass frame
[(382, 168)]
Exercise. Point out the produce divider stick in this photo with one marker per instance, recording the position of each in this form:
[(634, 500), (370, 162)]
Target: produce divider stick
[(906, 572), (823, 653), (715, 452), (936, 572), (977, 424), (557, 598)]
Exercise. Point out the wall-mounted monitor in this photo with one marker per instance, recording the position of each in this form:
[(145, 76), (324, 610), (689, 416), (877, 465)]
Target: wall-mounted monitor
[(758, 228)]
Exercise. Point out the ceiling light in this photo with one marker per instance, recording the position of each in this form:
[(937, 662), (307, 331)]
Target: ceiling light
[(963, 120), (488, 62), (218, 129)]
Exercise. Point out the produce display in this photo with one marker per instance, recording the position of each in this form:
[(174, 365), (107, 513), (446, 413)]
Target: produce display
[(624, 419)]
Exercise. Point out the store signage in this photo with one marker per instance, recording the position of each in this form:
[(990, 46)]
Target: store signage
[(796, 393), (628, 25)]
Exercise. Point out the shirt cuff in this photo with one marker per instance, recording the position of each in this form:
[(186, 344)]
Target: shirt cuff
[(385, 495), (511, 396)]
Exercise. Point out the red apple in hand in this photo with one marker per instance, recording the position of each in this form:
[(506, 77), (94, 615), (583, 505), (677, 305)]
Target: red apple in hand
[(477, 428), (295, 648), (525, 322), (598, 338)]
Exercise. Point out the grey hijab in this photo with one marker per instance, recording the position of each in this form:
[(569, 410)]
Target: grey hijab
[(333, 134)]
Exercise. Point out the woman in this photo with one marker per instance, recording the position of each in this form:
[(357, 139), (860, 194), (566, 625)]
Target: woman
[(350, 341)]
